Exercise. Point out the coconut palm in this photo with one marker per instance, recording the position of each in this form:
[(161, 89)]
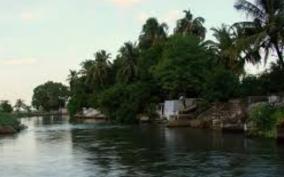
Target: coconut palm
[(72, 78), (225, 48), (87, 65), (266, 28), (101, 70), (232, 55), (191, 26), (20, 104), (128, 56), (152, 33)]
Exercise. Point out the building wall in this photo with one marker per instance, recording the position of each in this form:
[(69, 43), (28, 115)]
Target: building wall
[(171, 108)]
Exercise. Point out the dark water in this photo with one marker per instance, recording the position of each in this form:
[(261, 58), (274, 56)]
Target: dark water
[(51, 147)]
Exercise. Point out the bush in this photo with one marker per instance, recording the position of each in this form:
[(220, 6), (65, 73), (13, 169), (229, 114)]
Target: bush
[(123, 103), (8, 120), (261, 116), (278, 115), (266, 118)]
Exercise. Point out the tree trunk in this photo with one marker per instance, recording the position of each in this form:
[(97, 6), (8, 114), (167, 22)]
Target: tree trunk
[(280, 56)]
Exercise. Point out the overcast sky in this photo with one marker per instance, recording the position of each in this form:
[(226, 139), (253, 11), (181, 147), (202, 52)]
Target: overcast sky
[(41, 40)]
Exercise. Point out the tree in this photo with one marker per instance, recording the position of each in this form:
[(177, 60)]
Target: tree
[(266, 30), (220, 85), (6, 107), (184, 66), (191, 26), (50, 96), (152, 33), (123, 103), (20, 104), (97, 71), (72, 78), (128, 54), (230, 56), (86, 66)]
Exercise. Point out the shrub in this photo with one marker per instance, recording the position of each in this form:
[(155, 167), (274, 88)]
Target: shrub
[(261, 116), (265, 119), (8, 120), (278, 115), (123, 103)]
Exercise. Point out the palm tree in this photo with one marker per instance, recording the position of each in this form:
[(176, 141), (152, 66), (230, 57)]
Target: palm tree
[(266, 28), (152, 33), (224, 47), (101, 70), (128, 56), (191, 26), (87, 65), (230, 53), (72, 77), (20, 104)]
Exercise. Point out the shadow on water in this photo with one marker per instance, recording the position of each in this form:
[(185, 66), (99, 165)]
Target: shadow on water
[(158, 151), (95, 150)]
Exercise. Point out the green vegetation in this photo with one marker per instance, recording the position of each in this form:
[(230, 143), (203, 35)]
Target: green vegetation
[(265, 119), (6, 107), (8, 120), (50, 96), (165, 66)]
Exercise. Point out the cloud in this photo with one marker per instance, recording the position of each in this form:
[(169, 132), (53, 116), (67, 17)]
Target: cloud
[(142, 17), (27, 61), (172, 16), (125, 2), (28, 16)]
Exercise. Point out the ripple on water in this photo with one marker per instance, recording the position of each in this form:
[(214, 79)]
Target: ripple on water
[(56, 148)]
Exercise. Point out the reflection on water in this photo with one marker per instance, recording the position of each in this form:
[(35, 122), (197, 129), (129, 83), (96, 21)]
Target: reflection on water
[(51, 147)]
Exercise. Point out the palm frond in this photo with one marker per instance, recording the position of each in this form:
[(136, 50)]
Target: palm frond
[(249, 9)]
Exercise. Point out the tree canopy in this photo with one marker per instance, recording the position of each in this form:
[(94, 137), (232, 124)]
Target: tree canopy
[(5, 106), (50, 96), (160, 66)]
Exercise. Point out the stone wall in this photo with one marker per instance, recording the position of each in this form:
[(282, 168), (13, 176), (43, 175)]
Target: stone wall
[(231, 115), (223, 116)]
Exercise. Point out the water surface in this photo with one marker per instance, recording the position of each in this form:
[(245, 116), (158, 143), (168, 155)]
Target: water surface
[(51, 147)]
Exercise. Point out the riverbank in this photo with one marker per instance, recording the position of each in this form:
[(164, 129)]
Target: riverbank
[(254, 116), (9, 124)]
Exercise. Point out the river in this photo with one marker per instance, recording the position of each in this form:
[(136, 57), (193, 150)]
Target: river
[(52, 147)]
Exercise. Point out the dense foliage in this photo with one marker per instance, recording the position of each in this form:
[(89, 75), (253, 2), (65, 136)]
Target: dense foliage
[(165, 66), (50, 96), (265, 119), (8, 120), (6, 107)]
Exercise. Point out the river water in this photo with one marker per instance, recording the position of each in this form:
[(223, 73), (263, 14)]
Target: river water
[(52, 147)]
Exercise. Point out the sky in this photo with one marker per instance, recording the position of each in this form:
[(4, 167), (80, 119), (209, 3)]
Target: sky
[(40, 40)]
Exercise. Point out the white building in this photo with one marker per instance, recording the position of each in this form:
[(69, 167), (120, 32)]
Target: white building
[(92, 113), (171, 108)]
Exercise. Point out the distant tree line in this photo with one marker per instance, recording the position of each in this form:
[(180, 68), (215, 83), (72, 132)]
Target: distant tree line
[(20, 106)]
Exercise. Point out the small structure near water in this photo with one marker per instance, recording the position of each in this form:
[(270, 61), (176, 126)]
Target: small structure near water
[(173, 109), (90, 114), (227, 116)]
